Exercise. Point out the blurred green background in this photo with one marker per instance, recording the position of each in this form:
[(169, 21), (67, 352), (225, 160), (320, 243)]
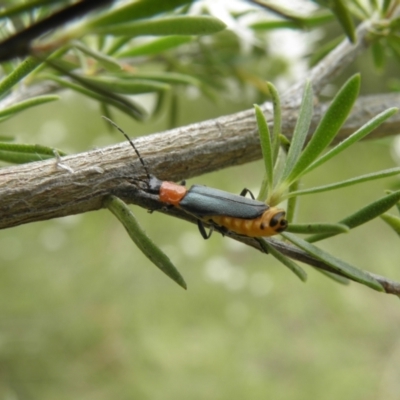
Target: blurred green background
[(83, 315)]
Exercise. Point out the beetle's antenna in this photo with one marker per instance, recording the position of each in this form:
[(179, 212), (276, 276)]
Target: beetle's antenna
[(131, 143)]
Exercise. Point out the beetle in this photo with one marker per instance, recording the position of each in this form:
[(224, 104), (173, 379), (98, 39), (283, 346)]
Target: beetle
[(223, 211)]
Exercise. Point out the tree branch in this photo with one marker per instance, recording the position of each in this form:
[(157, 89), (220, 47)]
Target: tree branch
[(43, 190), (330, 66)]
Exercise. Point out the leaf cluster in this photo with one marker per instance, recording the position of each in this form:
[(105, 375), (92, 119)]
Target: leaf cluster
[(282, 179)]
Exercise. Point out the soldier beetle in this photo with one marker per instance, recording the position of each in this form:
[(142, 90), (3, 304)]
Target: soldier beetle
[(223, 211)]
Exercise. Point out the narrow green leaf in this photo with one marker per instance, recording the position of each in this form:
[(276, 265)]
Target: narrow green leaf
[(269, 25), (337, 278), (372, 210), (132, 86), (15, 9), (23, 153), (393, 37), (354, 137), (167, 77), (277, 127), (394, 23), (392, 221), (367, 213), (56, 55), (300, 131), (116, 43), (161, 100), (93, 90), (266, 146), (319, 227), (378, 56), (393, 42), (311, 21), (139, 236), (137, 10), (317, 18), (176, 25), (107, 62), (20, 158), (156, 46), (22, 70), (360, 10), (283, 12), (106, 112), (340, 9), (336, 264), (328, 127), (374, 5), (349, 182), (23, 105), (128, 106), (385, 7), (296, 269)]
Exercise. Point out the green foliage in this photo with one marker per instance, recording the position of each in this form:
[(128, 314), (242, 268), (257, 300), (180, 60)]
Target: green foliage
[(142, 241), (287, 262), (266, 147), (23, 105), (141, 18), (20, 72), (365, 214), (327, 128), (361, 133), (312, 20), (23, 153), (155, 46), (393, 221), (341, 10), (180, 25), (300, 159), (384, 35), (336, 264), (300, 132), (133, 11), (319, 228)]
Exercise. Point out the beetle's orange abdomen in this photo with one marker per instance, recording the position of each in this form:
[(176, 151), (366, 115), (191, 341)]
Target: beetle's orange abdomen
[(270, 223)]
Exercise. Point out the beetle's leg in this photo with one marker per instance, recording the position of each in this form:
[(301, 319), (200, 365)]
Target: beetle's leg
[(202, 230), (245, 191)]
